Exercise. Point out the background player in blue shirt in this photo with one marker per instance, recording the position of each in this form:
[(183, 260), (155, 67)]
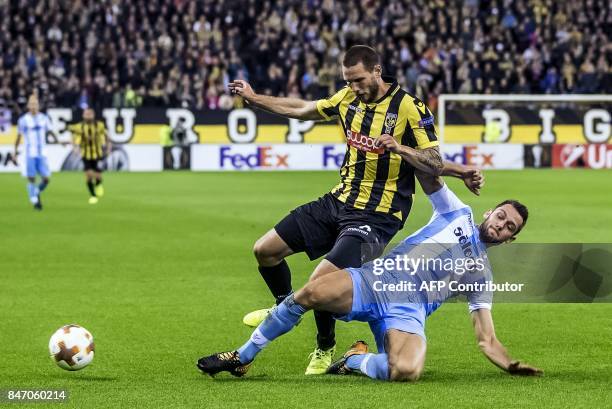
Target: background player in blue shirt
[(33, 127), (397, 324)]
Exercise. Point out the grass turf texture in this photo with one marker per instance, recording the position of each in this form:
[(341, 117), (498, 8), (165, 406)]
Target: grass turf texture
[(161, 272)]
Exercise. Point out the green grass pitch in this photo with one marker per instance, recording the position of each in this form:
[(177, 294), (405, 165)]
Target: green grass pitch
[(161, 272)]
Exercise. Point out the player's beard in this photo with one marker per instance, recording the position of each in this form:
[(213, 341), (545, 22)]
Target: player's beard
[(372, 93), (485, 237)]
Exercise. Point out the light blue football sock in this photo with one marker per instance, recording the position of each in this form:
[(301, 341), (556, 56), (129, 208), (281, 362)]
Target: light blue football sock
[(376, 366), (33, 192), (354, 361), (281, 320)]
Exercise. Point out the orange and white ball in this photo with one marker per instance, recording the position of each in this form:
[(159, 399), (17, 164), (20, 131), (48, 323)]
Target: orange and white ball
[(72, 347)]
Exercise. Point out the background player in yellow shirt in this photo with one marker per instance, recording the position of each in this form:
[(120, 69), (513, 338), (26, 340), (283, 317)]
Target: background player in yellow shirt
[(91, 140)]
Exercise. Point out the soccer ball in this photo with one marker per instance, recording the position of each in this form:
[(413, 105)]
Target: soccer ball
[(71, 347)]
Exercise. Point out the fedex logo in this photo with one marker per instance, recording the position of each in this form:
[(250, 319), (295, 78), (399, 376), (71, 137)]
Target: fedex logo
[(471, 156), (362, 142), (263, 157), (332, 158)]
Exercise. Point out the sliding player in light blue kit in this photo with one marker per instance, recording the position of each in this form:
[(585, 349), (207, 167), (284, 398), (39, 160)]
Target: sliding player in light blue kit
[(33, 127), (397, 318)]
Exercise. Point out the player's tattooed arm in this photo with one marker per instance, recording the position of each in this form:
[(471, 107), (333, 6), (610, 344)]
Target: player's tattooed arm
[(427, 160), (288, 107), (494, 350)]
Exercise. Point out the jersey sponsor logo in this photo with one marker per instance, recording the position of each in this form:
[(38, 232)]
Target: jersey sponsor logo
[(465, 245), (363, 142), (464, 242), (35, 128)]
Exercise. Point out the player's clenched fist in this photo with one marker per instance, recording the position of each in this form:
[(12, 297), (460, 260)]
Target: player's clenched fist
[(387, 142), (242, 88), (474, 180)]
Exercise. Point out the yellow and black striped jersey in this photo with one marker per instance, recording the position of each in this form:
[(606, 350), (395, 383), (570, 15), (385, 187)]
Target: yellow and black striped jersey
[(91, 137), (372, 178)]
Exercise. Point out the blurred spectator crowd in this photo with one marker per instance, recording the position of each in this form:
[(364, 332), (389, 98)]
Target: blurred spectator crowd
[(114, 53)]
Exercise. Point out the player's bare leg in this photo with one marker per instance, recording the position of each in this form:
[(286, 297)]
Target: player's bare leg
[(323, 268), (270, 249), (403, 360), (332, 292), (406, 355)]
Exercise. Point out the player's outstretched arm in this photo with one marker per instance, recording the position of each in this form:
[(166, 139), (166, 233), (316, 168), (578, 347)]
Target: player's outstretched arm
[(494, 350), (472, 177), (289, 107)]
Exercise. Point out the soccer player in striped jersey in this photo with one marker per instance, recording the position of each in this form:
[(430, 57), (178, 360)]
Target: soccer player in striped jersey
[(91, 139), (33, 127), (374, 196), (397, 317)]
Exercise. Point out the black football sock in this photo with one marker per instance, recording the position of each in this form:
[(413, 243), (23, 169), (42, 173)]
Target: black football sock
[(98, 181), (326, 327), (90, 186), (43, 185), (278, 279)]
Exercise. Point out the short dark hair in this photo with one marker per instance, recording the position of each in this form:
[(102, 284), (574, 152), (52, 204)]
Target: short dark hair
[(361, 54), (520, 208)]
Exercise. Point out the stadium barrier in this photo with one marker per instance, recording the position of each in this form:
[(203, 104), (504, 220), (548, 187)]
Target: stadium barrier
[(489, 131), (279, 157)]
